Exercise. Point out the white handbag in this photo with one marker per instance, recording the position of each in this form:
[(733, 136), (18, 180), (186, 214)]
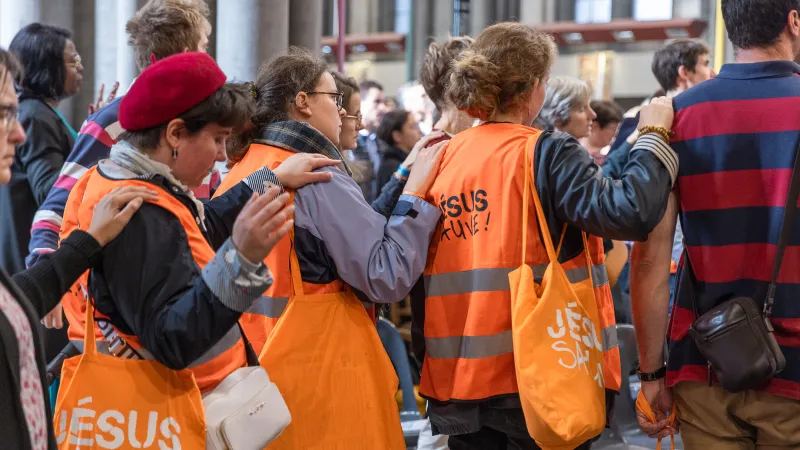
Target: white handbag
[(245, 412)]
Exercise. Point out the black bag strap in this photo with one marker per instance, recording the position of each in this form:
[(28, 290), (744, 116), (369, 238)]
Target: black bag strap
[(250, 354), (789, 213)]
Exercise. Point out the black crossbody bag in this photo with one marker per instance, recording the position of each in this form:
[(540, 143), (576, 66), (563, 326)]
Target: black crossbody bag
[(735, 337)]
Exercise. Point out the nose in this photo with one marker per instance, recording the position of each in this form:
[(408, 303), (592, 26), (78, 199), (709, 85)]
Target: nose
[(17, 135), (342, 113), (592, 114), (221, 156)]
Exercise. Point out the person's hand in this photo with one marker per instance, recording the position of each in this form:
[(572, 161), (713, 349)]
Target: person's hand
[(298, 169), (94, 107), (55, 318), (264, 220), (659, 113), (115, 210), (422, 143), (659, 396), (425, 169)]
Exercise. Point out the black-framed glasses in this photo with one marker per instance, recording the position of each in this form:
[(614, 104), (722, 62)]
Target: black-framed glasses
[(9, 116), (338, 95)]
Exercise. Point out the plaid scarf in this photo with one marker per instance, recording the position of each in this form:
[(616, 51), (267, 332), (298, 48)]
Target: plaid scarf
[(300, 137)]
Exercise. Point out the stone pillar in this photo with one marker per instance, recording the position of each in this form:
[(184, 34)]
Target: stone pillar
[(358, 17), (212, 18), (15, 14), (126, 66), (83, 33), (422, 35), (105, 46), (478, 16), (250, 32), (305, 24)]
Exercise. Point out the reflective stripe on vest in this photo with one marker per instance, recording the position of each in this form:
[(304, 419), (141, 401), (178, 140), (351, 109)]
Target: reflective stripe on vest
[(496, 279), (468, 330), (269, 306)]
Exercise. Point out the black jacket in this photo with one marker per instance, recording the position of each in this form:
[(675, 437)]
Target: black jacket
[(38, 290), (392, 158), (148, 284), (574, 191), (35, 169)]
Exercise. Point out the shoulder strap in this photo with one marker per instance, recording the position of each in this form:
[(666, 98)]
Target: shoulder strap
[(787, 224)]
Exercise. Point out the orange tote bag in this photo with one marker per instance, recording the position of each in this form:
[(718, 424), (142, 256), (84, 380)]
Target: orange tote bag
[(557, 348), (337, 380), (107, 402)]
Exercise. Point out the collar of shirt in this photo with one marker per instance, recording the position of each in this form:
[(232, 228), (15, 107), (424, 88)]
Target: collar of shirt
[(767, 69)]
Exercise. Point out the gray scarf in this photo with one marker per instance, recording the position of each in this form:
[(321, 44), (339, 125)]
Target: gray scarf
[(142, 166)]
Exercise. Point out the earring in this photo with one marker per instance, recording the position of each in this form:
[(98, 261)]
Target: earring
[(175, 153)]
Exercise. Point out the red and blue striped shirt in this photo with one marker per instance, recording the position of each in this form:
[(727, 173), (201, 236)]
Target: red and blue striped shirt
[(97, 135), (737, 136)]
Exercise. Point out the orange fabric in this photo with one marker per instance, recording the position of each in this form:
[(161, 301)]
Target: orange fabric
[(558, 353), (479, 190), (74, 301), (673, 268), (257, 327), (108, 402), (643, 407), (328, 361), (95, 187)]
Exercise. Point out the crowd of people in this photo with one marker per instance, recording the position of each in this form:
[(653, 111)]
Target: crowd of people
[(520, 219)]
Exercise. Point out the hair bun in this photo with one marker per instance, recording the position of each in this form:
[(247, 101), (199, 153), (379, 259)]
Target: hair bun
[(475, 85)]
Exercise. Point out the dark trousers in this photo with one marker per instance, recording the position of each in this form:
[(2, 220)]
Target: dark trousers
[(503, 429)]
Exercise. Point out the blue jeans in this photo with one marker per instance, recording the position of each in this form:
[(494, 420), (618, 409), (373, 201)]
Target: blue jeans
[(393, 343)]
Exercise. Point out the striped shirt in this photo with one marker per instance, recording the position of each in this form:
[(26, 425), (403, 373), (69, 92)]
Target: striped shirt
[(737, 137), (97, 135)]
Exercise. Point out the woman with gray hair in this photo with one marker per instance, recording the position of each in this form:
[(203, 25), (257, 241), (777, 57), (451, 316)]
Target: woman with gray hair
[(566, 107)]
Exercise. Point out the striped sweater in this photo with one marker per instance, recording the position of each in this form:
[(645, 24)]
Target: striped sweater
[(97, 135), (736, 137)]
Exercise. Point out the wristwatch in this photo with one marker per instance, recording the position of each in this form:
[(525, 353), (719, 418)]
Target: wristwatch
[(652, 376)]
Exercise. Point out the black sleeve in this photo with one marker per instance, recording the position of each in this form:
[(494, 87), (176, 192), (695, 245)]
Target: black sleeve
[(149, 286), (580, 195), (390, 194), (41, 155), (51, 277), (616, 160), (222, 211)]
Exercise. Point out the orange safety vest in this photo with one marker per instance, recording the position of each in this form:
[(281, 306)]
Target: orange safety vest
[(264, 314), (469, 351), (229, 353)]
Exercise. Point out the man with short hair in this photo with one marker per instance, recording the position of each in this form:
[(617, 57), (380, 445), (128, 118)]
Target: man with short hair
[(368, 151), (161, 28), (678, 66), (737, 138)]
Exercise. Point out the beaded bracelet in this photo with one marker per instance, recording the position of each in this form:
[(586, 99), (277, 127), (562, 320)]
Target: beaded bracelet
[(663, 132)]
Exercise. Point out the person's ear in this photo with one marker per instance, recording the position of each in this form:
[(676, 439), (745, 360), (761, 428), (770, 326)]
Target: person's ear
[(301, 104), (176, 128), (683, 76)]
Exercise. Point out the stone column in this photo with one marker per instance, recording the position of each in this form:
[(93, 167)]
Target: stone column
[(212, 40), (15, 14), (250, 32), (126, 68), (532, 12), (105, 46), (83, 33), (59, 13), (305, 24)]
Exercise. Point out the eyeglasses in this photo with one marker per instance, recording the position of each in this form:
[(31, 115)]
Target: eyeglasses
[(8, 117), (338, 95), (357, 118)]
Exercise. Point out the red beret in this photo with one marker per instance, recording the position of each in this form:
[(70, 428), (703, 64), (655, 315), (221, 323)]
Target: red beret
[(169, 88)]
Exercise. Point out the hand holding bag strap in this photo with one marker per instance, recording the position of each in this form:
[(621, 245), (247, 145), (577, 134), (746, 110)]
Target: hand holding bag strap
[(789, 212)]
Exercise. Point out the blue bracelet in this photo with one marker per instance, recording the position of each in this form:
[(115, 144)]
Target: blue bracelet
[(403, 171)]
